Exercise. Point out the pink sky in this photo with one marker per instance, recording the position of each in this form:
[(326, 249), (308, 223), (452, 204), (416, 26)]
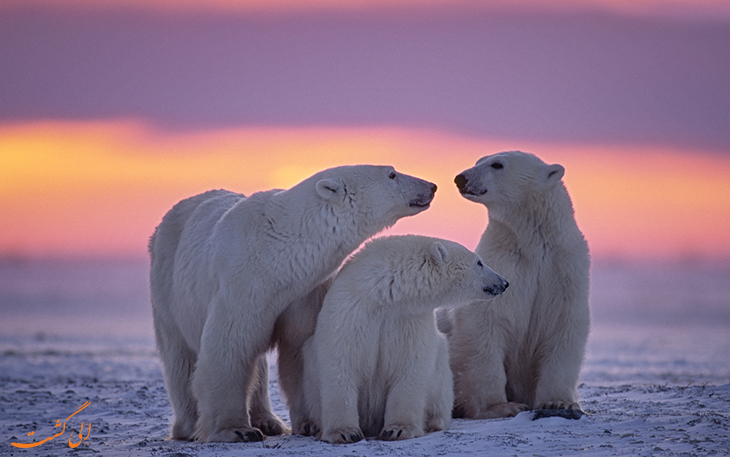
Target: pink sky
[(99, 189), (111, 112)]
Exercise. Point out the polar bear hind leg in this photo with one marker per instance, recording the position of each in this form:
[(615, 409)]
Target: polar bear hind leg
[(260, 408), (179, 367)]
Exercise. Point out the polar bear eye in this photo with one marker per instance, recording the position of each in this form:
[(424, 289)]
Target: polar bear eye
[(479, 263), (391, 175), (497, 166)]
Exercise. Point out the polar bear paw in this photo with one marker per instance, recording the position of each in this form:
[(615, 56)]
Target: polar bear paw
[(558, 404), (269, 424), (183, 431), (436, 424), (235, 435), (343, 435), (306, 428), (400, 432), (508, 409)]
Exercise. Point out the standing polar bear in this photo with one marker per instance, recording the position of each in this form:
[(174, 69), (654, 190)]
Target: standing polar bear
[(526, 349), (376, 364), (225, 268)]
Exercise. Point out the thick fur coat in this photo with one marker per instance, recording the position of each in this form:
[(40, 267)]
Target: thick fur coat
[(376, 364), (526, 349), (227, 269)]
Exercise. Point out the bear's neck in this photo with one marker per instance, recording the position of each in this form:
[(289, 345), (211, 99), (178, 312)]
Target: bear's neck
[(544, 222), (317, 237)]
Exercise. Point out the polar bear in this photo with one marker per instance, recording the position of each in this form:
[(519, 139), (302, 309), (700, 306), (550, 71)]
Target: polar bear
[(225, 267), (526, 349), (376, 364)]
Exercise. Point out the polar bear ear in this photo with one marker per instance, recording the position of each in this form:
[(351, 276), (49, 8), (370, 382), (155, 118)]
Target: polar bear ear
[(439, 252), (554, 173), (329, 188)]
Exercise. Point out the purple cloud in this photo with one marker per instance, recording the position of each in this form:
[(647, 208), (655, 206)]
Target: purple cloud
[(581, 77)]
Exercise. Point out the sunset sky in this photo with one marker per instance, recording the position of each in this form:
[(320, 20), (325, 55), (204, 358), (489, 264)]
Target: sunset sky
[(112, 111)]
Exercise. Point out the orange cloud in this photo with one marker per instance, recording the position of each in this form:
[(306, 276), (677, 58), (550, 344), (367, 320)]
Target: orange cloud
[(100, 188)]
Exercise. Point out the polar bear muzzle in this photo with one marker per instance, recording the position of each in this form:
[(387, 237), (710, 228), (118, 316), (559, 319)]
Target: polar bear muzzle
[(424, 200), (497, 290), (466, 187)]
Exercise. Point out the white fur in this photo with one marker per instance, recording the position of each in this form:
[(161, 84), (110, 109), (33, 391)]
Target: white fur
[(227, 269), (376, 364), (526, 350)]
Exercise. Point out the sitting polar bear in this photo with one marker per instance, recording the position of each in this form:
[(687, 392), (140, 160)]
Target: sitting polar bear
[(376, 364), (526, 349), (225, 267)]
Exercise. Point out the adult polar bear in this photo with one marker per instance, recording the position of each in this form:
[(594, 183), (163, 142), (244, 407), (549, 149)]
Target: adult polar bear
[(225, 267), (526, 349), (376, 365)]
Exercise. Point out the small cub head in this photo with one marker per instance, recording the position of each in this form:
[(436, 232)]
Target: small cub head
[(508, 178), (416, 274), (465, 274)]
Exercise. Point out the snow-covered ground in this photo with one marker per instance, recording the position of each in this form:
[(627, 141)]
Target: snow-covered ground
[(641, 396), (656, 379)]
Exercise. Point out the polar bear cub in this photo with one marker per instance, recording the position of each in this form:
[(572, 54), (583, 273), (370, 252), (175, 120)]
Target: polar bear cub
[(376, 364), (526, 349), (226, 267)]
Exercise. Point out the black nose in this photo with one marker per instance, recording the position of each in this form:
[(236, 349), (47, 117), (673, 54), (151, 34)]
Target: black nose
[(434, 187), (460, 181), (506, 285)]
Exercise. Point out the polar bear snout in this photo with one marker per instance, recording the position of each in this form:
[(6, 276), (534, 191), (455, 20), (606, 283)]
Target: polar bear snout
[(424, 199), (492, 283), (468, 187), (496, 290)]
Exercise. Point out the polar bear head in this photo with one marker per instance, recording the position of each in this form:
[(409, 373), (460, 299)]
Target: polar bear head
[(421, 272), (462, 275), (508, 180), (376, 196)]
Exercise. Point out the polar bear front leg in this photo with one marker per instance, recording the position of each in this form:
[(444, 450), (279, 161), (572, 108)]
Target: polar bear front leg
[(559, 370), (220, 388), (480, 380), (556, 387), (405, 406), (225, 375), (340, 418), (339, 400), (441, 394)]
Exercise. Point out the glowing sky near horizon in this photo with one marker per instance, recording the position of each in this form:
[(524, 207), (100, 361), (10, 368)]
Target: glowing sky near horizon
[(110, 112), (100, 188)]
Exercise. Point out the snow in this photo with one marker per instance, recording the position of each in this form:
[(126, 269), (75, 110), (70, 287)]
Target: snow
[(656, 380), (664, 409)]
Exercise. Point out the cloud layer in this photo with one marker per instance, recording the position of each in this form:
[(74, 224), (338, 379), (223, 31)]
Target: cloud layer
[(566, 77)]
